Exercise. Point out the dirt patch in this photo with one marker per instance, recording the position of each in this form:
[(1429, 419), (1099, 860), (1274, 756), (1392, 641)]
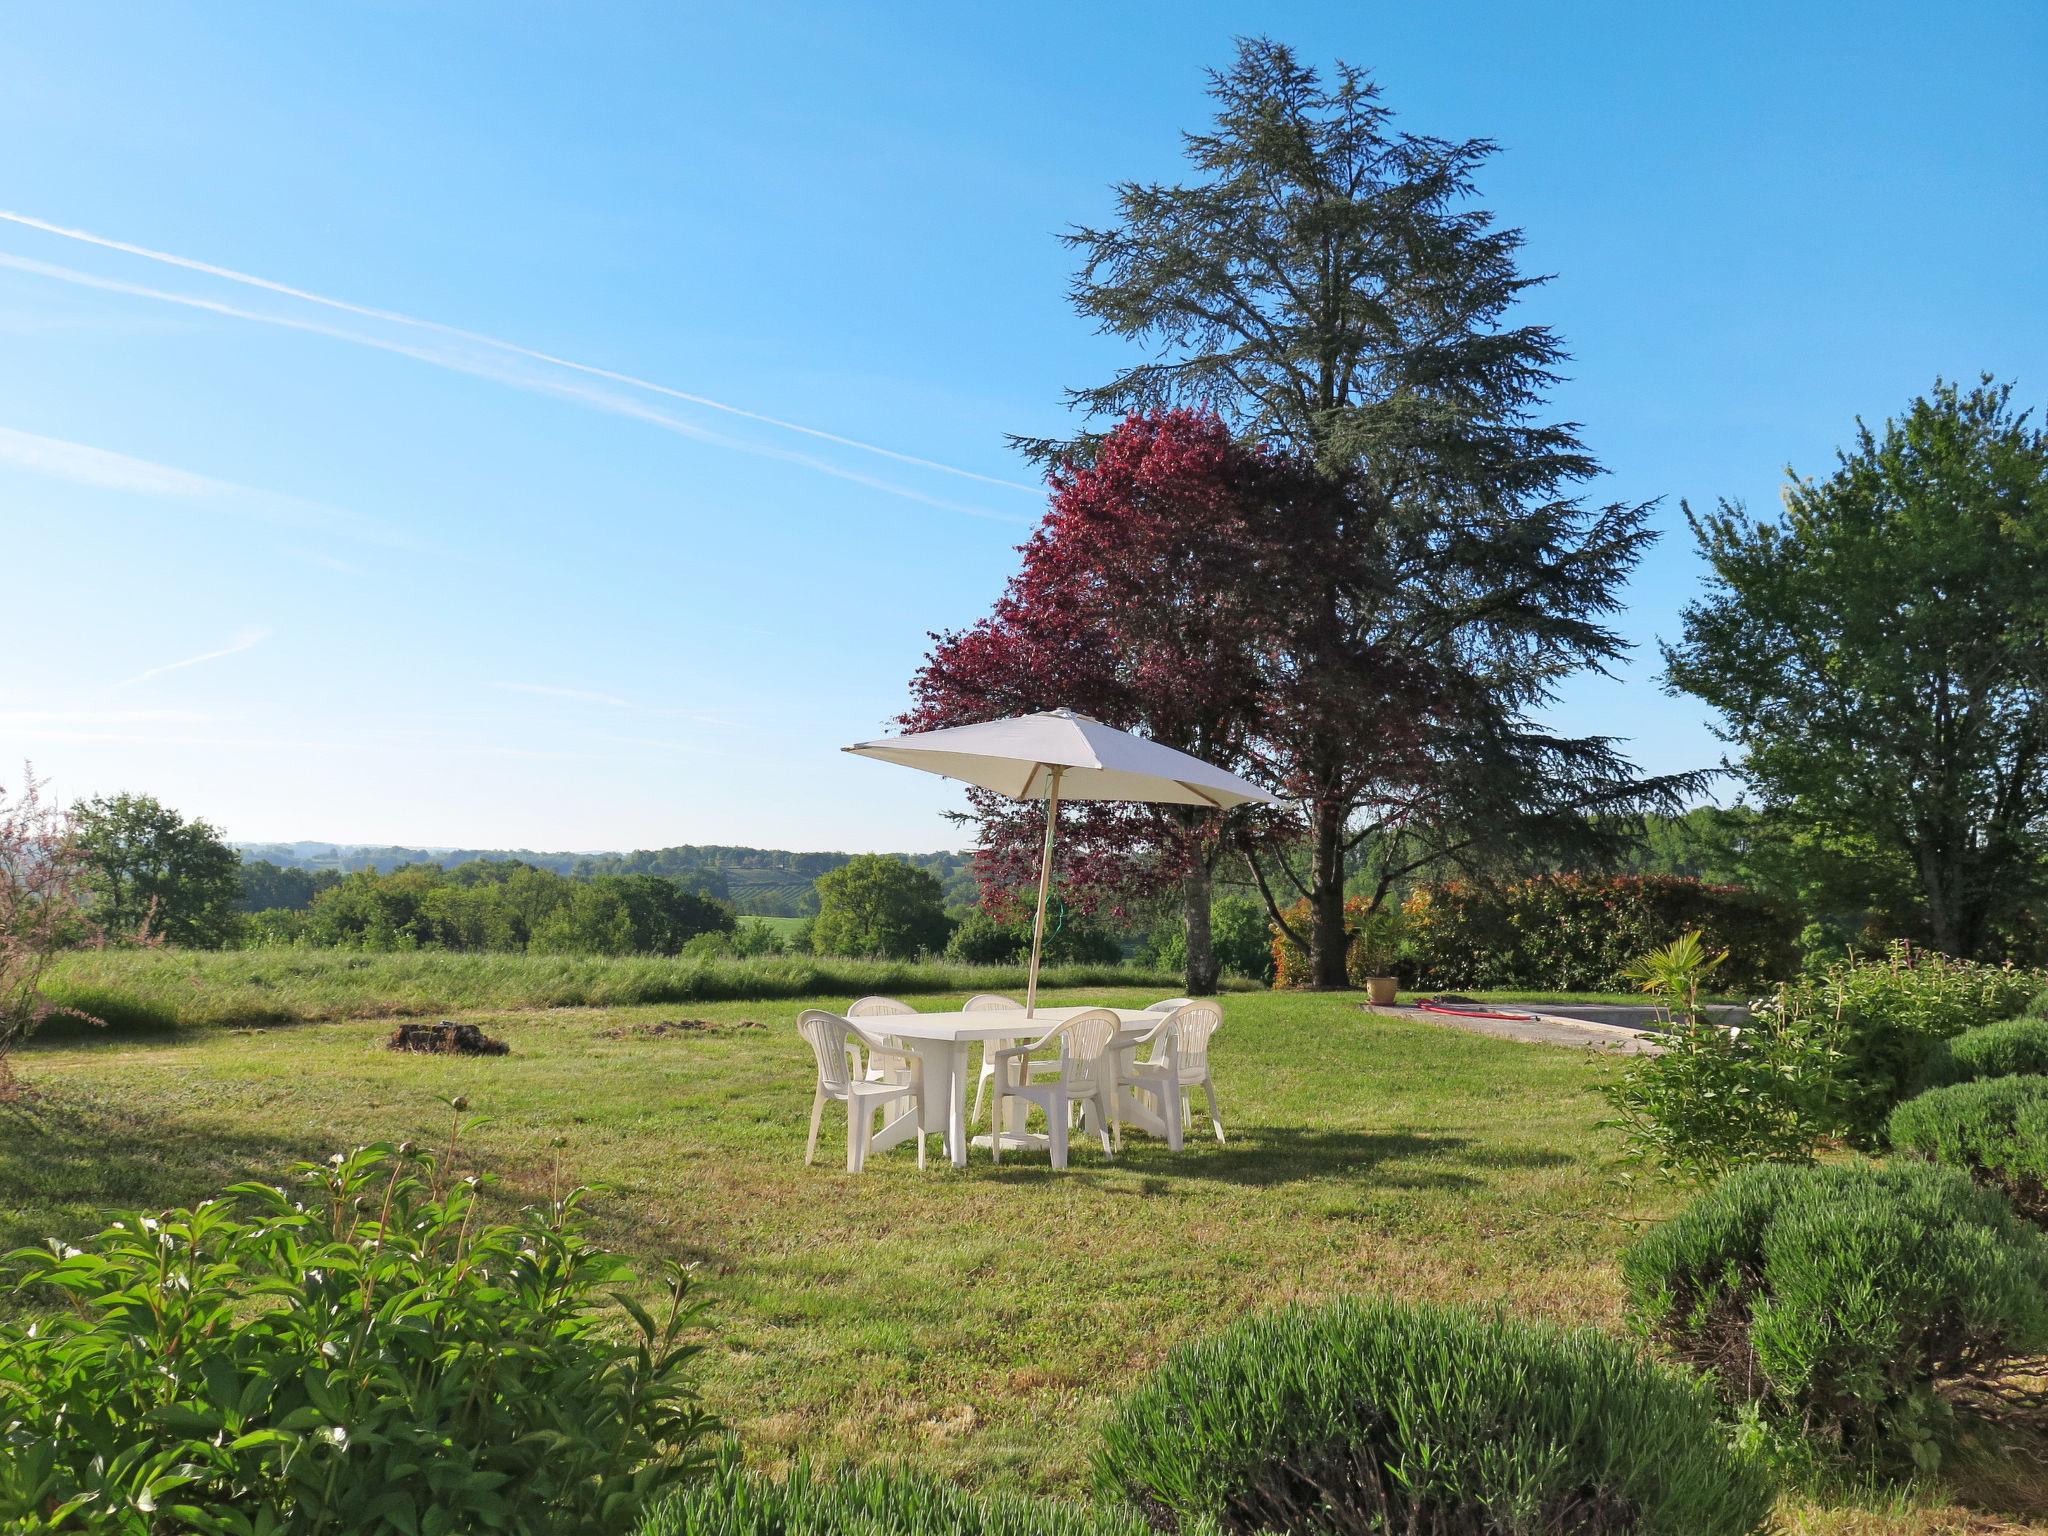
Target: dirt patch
[(663, 1027), (446, 1038)]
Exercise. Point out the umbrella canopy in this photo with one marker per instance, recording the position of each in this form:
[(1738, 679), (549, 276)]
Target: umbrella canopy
[(1060, 754), (1016, 757)]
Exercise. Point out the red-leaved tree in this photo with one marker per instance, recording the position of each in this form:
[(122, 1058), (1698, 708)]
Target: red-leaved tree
[(1137, 603)]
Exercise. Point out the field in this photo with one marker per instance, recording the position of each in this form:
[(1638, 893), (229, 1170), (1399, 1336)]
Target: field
[(972, 1322)]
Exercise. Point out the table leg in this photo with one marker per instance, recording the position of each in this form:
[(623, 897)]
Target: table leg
[(956, 1101)]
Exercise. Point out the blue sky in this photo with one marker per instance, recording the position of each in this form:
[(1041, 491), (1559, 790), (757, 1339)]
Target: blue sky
[(314, 572)]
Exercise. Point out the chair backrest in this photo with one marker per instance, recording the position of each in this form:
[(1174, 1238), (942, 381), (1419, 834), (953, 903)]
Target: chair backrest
[(1169, 1004), (877, 1007), (830, 1039), (992, 1002), (1193, 1025), (1084, 1046)]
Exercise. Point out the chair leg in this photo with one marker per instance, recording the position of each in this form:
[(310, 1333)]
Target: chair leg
[(1115, 1120), (980, 1093), (995, 1125), (817, 1119), (1215, 1120), (1056, 1123), (856, 1137), (1169, 1111)]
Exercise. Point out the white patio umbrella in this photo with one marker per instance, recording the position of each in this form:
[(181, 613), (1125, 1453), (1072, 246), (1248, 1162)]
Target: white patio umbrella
[(1061, 755)]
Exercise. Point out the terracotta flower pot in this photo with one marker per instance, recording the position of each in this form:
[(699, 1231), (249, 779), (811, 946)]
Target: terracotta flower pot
[(1380, 990)]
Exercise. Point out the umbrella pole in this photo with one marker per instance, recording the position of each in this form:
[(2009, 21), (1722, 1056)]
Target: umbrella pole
[(1052, 821)]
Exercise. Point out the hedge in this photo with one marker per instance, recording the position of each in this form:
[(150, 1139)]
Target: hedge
[(1371, 1416), (1571, 933)]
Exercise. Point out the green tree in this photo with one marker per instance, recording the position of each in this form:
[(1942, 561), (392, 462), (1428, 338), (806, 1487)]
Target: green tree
[(1326, 283), (878, 905), (1879, 655), (148, 869)]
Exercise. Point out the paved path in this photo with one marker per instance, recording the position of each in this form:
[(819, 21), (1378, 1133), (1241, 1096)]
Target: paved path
[(1543, 1029)]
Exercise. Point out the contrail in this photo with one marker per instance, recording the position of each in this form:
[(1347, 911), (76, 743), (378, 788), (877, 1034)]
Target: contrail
[(618, 405), (370, 312), (241, 642)]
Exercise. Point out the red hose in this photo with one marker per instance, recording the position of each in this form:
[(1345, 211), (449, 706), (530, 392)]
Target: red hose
[(1431, 1005)]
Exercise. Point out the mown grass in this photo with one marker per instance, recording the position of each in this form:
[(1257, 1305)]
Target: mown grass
[(182, 988), (973, 1323)]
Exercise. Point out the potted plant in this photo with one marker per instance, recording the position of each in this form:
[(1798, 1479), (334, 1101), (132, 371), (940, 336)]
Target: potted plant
[(1375, 950)]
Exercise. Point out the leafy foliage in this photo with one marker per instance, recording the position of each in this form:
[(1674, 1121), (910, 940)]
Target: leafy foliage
[(1994, 1129), (1363, 1416), (872, 1502), (1580, 932), (2011, 1047), (150, 873), (1880, 655), (366, 1355), (991, 937), (496, 906), (879, 906), (1885, 1017), (1240, 933), (1835, 1298)]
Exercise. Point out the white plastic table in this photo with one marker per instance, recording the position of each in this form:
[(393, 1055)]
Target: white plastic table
[(942, 1040)]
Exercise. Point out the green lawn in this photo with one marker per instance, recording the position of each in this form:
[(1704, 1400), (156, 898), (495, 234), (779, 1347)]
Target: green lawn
[(976, 1323)]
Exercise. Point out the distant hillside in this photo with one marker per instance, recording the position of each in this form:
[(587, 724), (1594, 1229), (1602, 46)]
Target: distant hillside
[(759, 882)]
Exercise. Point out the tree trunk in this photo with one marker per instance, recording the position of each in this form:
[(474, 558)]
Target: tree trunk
[(1195, 892), (1329, 945)]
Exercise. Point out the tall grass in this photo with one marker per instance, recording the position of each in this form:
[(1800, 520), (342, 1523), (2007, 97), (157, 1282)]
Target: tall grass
[(187, 988)]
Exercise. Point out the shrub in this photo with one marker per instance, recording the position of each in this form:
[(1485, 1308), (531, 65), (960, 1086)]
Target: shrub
[(1574, 933), (1835, 1298), (1714, 1098), (735, 1502), (2009, 1048), (1888, 1015), (365, 1355), (1995, 1130), (1370, 1416)]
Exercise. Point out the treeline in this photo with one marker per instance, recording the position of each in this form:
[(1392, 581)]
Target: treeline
[(760, 882), (492, 906)]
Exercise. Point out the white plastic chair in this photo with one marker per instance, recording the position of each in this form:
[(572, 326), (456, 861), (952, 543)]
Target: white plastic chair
[(839, 1045), (1176, 1064), (1176, 1061), (879, 1008), (1086, 1076)]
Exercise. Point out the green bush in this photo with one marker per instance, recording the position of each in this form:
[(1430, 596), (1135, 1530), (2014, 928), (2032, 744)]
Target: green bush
[(1888, 1016), (1995, 1130), (2009, 1048), (363, 1354), (735, 1502), (1576, 933), (1834, 1298), (1369, 1416)]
